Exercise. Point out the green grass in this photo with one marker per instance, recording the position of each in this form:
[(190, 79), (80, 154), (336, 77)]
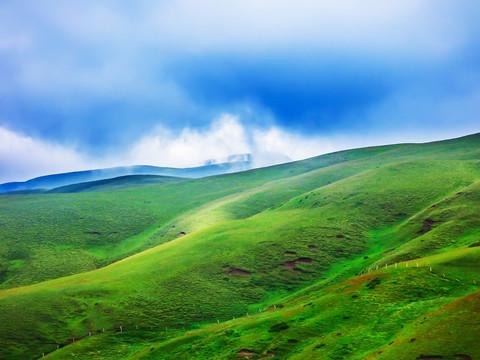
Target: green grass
[(349, 320), (118, 183), (299, 233), (56, 235)]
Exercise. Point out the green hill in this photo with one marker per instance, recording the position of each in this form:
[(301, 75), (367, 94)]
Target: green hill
[(358, 254), (117, 183), (45, 236)]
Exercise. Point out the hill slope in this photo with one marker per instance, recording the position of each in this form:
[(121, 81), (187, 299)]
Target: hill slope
[(46, 236), (117, 183), (298, 245)]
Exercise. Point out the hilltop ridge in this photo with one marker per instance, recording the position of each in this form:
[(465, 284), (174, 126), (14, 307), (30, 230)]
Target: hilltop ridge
[(49, 182)]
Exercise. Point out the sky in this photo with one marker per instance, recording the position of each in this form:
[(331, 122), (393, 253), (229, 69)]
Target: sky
[(91, 84)]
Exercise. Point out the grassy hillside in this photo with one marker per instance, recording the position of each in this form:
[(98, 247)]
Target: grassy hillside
[(381, 315), (307, 250), (46, 236), (117, 183)]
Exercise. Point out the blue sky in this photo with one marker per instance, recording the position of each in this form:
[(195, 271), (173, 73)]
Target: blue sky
[(173, 83)]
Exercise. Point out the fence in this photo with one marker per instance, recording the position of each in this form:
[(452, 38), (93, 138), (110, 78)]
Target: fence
[(407, 264)]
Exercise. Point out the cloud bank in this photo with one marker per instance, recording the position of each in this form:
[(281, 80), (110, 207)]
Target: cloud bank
[(23, 157)]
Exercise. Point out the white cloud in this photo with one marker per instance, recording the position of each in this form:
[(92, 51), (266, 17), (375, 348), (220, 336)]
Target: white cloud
[(371, 25), (114, 47), (294, 146), (252, 24), (23, 157), (224, 137), (191, 147)]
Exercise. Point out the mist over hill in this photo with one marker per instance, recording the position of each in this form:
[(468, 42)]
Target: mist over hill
[(212, 167)]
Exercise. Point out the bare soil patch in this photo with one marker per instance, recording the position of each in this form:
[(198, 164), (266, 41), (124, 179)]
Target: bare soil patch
[(463, 357), (427, 226), (239, 272), (246, 352), (291, 264)]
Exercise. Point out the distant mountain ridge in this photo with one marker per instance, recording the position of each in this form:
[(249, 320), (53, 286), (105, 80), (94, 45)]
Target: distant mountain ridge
[(110, 184), (48, 182)]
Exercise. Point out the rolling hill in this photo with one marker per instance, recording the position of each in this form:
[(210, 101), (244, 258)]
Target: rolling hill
[(48, 182), (116, 183), (364, 254)]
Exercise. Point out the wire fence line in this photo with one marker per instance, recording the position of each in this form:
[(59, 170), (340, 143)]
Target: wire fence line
[(120, 328), (413, 264), (165, 328)]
